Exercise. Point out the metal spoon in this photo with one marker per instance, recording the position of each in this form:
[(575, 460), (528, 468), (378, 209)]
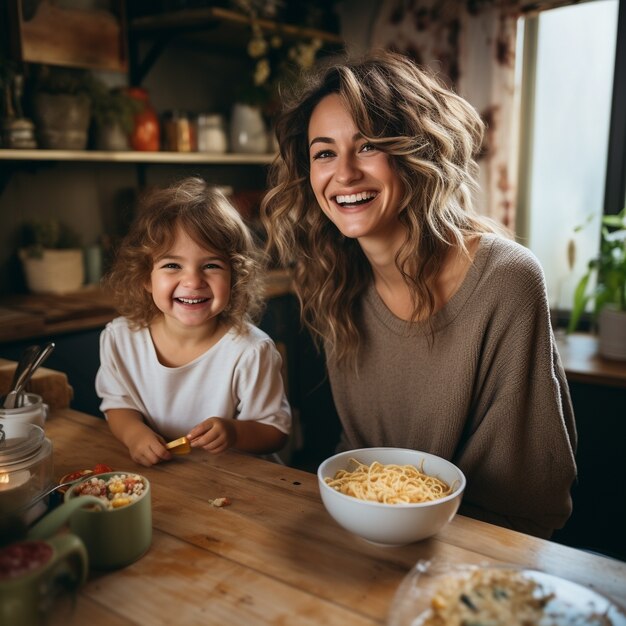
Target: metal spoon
[(41, 496), (43, 355), (26, 360)]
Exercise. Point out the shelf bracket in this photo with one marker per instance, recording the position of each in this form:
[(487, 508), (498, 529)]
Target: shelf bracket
[(139, 69)]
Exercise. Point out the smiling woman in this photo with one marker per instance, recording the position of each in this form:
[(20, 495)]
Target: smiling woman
[(402, 282)]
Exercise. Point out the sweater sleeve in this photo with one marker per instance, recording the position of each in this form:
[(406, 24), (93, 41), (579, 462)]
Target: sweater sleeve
[(518, 453)]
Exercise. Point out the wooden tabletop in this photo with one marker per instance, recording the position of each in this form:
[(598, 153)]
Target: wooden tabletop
[(582, 363), (274, 556)]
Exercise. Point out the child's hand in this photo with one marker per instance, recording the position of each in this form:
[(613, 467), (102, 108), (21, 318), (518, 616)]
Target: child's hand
[(147, 448), (213, 435)]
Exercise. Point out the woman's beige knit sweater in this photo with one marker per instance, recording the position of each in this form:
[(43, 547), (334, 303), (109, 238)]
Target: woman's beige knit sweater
[(489, 393)]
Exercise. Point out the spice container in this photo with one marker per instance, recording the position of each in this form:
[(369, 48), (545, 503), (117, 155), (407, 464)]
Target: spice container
[(26, 467), (212, 133), (178, 132)]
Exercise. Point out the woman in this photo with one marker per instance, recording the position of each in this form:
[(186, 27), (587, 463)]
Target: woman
[(436, 328)]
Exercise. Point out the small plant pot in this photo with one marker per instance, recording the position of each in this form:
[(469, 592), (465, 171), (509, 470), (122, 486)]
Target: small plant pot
[(56, 271), (62, 121), (612, 334), (111, 137)]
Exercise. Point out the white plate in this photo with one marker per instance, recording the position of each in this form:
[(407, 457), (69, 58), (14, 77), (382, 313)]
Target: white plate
[(571, 605)]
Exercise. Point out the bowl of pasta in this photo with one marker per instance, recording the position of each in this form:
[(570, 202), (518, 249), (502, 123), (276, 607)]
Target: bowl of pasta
[(390, 496)]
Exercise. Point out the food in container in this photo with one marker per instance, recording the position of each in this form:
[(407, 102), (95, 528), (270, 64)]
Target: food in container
[(34, 574), (117, 490), (179, 132), (385, 523), (98, 468), (114, 536)]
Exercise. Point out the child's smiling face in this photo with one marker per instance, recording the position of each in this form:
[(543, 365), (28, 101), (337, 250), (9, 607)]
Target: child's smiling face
[(189, 284)]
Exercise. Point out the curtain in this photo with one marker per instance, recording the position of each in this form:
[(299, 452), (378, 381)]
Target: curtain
[(471, 45)]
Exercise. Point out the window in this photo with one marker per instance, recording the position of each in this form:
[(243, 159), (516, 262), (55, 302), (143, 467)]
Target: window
[(568, 66)]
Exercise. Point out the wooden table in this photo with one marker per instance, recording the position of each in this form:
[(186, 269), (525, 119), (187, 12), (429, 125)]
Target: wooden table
[(274, 556)]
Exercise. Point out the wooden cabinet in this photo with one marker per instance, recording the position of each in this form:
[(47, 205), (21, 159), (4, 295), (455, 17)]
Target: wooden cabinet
[(598, 390)]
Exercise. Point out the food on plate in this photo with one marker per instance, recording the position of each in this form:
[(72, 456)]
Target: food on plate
[(98, 468), (388, 484), (487, 597), (509, 597), (117, 491), (179, 446), (101, 468), (219, 502)]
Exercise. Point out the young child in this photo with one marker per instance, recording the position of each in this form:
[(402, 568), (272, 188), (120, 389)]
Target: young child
[(184, 359)]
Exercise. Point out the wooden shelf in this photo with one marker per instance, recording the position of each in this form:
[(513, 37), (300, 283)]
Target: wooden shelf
[(201, 19), (135, 157)]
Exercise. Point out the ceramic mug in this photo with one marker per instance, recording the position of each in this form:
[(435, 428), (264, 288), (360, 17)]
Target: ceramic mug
[(31, 573), (114, 537), (34, 411)]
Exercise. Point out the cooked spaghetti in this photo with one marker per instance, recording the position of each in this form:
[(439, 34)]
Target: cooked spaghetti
[(388, 484)]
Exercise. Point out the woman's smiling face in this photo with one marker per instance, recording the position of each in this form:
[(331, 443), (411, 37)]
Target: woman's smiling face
[(354, 182)]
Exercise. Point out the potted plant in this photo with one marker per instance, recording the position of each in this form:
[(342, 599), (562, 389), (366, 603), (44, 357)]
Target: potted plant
[(51, 257), (609, 293), (62, 107), (113, 112)]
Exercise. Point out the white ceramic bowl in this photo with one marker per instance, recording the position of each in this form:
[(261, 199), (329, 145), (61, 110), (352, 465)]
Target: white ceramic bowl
[(391, 524)]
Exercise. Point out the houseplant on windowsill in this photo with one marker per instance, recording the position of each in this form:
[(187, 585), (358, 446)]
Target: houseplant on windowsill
[(609, 294), (51, 257)]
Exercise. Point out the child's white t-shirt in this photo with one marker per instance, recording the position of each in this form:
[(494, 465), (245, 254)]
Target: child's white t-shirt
[(239, 377)]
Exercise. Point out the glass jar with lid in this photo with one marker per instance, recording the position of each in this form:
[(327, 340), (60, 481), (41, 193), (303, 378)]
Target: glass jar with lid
[(179, 133), (212, 135), (26, 467)]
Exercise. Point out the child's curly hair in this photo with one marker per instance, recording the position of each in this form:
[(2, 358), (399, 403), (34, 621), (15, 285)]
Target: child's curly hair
[(207, 217)]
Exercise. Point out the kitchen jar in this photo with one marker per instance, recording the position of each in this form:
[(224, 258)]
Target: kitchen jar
[(26, 466), (33, 411), (179, 134), (212, 133), (248, 133), (146, 134)]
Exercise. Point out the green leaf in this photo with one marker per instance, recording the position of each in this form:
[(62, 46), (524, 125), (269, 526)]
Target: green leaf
[(580, 302)]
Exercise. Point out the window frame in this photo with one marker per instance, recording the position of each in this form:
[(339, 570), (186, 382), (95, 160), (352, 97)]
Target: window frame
[(615, 180)]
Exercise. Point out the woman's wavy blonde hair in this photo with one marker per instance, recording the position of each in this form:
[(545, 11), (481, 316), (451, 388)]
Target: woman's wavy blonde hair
[(213, 223), (432, 136)]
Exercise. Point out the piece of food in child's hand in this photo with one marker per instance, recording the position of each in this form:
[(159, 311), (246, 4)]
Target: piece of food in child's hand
[(179, 446), (219, 502)]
